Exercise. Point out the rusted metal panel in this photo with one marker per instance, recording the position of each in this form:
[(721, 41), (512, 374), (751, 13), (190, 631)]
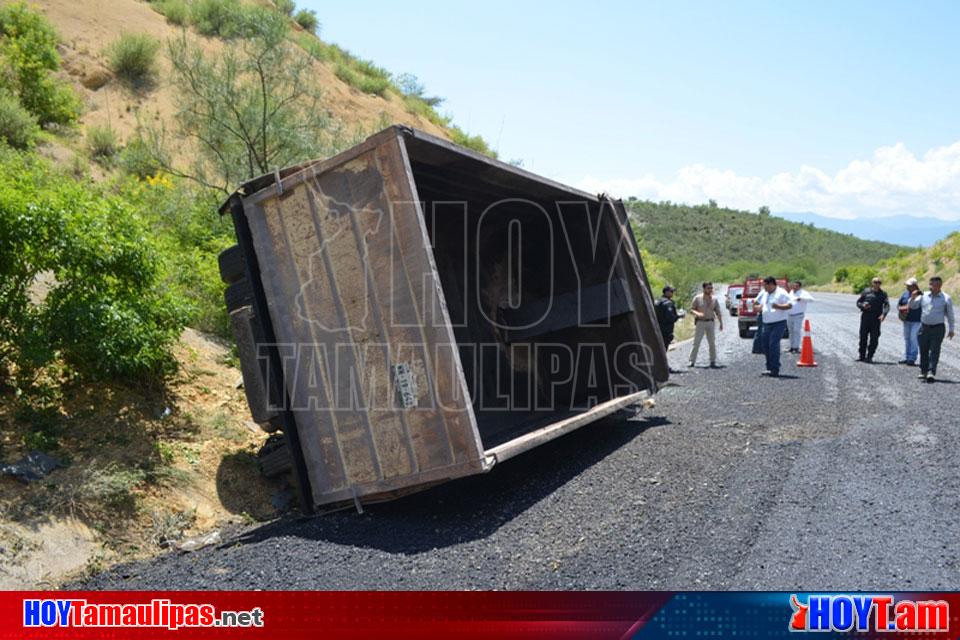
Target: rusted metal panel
[(344, 264), (656, 363), (347, 275)]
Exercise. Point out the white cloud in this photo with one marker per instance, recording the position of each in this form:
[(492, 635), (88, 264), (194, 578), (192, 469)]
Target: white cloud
[(892, 182)]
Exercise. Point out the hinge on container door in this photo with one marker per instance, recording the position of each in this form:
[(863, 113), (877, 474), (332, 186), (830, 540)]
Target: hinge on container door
[(356, 501), (276, 177)]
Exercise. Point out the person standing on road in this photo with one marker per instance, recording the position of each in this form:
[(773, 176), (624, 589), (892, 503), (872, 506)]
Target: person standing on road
[(874, 306), (667, 315), (799, 297), (911, 323), (936, 306), (707, 317), (776, 304)]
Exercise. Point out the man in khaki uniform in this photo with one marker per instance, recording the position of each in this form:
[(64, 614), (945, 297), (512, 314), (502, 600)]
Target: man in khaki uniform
[(707, 317)]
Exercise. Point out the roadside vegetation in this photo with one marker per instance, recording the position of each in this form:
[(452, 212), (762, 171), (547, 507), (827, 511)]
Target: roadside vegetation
[(694, 243), (942, 259)]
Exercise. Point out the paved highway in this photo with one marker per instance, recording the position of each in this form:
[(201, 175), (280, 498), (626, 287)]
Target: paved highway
[(843, 477)]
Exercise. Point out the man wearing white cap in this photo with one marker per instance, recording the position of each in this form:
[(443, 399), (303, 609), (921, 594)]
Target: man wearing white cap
[(911, 323)]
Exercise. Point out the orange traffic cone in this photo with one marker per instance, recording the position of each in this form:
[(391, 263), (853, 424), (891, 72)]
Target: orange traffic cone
[(806, 349)]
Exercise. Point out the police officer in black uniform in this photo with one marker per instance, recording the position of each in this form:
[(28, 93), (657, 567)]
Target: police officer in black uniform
[(667, 315), (874, 307)]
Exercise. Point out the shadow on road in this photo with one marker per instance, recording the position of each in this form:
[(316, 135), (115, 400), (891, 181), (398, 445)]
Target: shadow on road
[(470, 508)]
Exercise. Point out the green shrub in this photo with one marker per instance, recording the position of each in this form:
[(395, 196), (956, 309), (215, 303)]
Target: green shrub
[(477, 143), (418, 107), (374, 85), (859, 277), (313, 46), (337, 54), (137, 160), (285, 6), (28, 56), (348, 75), (307, 19), (104, 314), (222, 18), (367, 68), (133, 58), (102, 143), (175, 11), (18, 127), (191, 236)]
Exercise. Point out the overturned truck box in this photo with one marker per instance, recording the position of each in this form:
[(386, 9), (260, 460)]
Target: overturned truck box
[(409, 311)]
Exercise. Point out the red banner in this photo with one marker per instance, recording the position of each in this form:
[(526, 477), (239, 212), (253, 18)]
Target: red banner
[(296, 615)]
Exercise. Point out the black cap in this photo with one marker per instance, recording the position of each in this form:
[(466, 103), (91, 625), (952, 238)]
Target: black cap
[(668, 288)]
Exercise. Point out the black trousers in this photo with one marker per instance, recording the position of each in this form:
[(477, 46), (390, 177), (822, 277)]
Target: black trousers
[(930, 339), (667, 335), (869, 334)]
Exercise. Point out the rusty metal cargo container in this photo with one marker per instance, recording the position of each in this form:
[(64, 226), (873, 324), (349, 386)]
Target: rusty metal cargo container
[(410, 311)]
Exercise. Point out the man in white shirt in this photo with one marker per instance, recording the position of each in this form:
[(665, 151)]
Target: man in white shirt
[(776, 303), (936, 311), (799, 297)]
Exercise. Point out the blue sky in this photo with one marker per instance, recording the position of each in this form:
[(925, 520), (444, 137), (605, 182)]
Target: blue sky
[(848, 109)]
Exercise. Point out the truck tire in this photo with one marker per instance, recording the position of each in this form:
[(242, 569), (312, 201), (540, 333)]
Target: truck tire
[(274, 458), (248, 336), (238, 295), (745, 332), (273, 425), (233, 267)]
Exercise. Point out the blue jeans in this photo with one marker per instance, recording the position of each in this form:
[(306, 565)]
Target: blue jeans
[(772, 334), (910, 342)]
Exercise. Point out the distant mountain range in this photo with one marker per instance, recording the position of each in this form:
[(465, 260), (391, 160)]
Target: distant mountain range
[(904, 230)]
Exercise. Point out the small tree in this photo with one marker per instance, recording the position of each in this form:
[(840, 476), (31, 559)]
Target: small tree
[(18, 127), (411, 86), (286, 6), (80, 280), (252, 108), (307, 19), (764, 211)]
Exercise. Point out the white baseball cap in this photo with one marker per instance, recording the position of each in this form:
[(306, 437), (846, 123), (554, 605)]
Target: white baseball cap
[(911, 282)]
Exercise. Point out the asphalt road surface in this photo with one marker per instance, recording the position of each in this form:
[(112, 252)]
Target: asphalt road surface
[(842, 477)]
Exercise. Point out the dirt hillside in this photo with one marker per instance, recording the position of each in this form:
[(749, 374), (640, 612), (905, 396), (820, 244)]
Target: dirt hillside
[(88, 27)]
